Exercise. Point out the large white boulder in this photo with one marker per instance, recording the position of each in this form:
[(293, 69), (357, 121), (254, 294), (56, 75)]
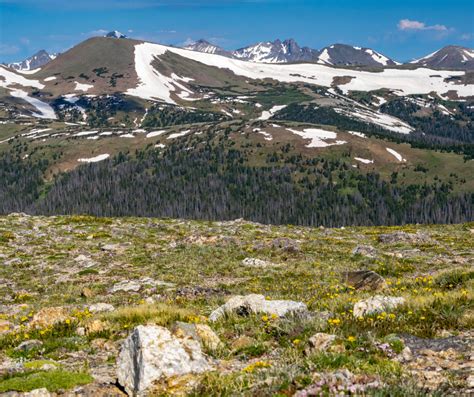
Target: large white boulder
[(376, 304), (253, 303), (151, 353)]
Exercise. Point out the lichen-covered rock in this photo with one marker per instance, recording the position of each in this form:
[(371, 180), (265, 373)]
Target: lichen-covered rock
[(48, 317), (258, 263), (404, 237), (376, 304), (320, 342), (151, 353), (365, 250), (101, 307), (200, 332), (253, 303), (365, 280)]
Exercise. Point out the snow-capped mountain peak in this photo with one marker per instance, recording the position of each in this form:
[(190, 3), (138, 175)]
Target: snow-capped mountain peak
[(346, 55), (206, 47), (454, 57), (276, 52), (34, 62), (116, 34)]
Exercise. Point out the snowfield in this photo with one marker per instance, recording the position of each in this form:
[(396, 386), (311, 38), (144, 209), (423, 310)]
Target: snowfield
[(95, 159), (155, 133), (154, 85), (397, 155), (381, 119), (317, 136), (45, 111), (362, 160), (266, 114), (83, 87)]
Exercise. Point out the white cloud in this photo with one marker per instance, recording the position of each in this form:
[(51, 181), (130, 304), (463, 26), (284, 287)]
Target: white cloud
[(408, 24), (6, 49)]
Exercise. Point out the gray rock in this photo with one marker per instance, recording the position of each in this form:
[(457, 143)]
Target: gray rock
[(403, 237), (28, 345), (151, 353), (101, 307), (126, 286), (320, 342), (258, 263), (376, 304), (365, 250), (253, 303), (364, 280)]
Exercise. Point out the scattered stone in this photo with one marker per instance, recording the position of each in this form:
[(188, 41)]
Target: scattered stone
[(85, 261), (197, 290), (365, 280), (403, 237), (49, 316), (126, 286), (320, 342), (242, 342), (200, 332), (151, 353), (259, 263), (136, 285), (461, 343), (87, 292), (96, 326), (28, 345), (253, 303), (286, 244), (340, 383), (43, 392), (376, 304), (5, 326), (365, 250), (101, 307)]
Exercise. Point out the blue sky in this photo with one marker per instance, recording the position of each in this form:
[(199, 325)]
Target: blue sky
[(402, 29)]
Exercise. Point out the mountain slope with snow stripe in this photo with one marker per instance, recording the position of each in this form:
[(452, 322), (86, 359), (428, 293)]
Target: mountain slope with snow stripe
[(401, 82)]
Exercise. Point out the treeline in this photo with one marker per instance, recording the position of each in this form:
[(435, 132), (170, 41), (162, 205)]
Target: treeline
[(213, 183), (162, 116), (21, 182), (430, 133), (458, 126)]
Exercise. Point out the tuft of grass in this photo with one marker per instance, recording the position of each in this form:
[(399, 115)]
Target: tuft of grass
[(159, 314), (51, 380), (454, 278)]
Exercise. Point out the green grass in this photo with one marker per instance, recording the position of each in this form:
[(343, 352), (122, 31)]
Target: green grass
[(51, 380)]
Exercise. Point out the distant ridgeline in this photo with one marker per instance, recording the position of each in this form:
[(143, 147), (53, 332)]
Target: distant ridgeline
[(212, 183)]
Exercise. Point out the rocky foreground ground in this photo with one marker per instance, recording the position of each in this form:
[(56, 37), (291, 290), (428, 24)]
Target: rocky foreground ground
[(108, 307)]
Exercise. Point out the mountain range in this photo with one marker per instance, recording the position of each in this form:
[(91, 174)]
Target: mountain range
[(288, 51)]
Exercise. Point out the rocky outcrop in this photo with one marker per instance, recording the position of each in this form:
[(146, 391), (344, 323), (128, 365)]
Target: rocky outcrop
[(151, 353), (364, 280), (376, 304), (403, 237), (320, 342), (245, 305)]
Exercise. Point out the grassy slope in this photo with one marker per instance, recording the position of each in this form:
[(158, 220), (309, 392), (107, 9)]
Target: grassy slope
[(40, 271)]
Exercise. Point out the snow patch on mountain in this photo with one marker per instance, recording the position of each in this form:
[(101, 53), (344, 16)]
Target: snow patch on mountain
[(397, 155), (82, 87), (45, 111), (155, 86), (266, 114), (318, 137), (95, 159)]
